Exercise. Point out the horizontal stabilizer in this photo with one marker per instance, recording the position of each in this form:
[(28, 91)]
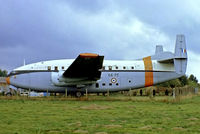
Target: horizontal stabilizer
[(166, 61), (178, 58)]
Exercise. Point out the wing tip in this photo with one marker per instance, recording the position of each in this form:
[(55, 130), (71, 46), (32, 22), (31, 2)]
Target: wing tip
[(88, 55)]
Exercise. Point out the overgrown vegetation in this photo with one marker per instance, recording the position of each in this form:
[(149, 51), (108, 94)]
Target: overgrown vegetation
[(100, 115), (181, 82)]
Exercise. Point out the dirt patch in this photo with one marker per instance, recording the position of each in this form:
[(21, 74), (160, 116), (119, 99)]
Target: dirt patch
[(113, 126), (95, 107), (101, 133), (78, 123), (146, 127), (191, 123), (178, 128), (54, 132), (193, 119), (112, 120), (124, 121), (81, 131)]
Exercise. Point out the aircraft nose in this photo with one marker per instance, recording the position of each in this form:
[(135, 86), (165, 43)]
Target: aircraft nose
[(8, 80)]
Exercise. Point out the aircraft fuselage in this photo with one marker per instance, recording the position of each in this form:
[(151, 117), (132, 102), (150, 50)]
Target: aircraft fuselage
[(116, 75)]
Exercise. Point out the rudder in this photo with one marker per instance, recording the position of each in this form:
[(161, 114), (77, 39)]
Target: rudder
[(180, 55)]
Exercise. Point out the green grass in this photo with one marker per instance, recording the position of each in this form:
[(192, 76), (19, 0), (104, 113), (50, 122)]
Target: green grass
[(100, 115)]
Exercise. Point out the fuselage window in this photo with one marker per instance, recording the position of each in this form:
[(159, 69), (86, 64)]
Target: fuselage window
[(129, 81), (63, 68), (116, 67), (97, 85), (56, 68), (117, 84), (49, 68), (103, 84), (132, 67), (110, 84), (124, 67), (110, 67)]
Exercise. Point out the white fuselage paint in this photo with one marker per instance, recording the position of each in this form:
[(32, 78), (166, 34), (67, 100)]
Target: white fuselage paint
[(120, 64)]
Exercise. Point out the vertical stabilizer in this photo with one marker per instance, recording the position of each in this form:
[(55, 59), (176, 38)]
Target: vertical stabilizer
[(180, 59)]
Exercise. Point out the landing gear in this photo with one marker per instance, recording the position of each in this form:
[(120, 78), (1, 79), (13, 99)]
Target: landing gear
[(78, 94), (140, 92), (9, 94), (104, 94)]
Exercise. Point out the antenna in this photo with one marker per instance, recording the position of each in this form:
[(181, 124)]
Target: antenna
[(24, 62)]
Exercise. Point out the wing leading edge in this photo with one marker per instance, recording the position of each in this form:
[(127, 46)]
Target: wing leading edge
[(86, 66)]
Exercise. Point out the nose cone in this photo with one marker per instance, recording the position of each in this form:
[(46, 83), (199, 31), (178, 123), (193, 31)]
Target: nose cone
[(19, 81), (8, 80)]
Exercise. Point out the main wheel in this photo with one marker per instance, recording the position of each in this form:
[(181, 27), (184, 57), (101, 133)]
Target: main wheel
[(78, 94), (9, 94)]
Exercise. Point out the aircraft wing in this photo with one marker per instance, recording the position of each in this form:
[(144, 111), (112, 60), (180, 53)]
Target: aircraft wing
[(86, 66)]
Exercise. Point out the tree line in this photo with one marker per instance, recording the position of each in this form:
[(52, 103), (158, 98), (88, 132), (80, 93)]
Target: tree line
[(181, 82), (3, 73)]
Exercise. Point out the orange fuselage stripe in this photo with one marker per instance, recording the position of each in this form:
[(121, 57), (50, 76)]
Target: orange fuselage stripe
[(8, 80), (148, 75)]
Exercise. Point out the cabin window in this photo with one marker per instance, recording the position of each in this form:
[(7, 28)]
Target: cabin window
[(116, 67), (110, 84), (132, 67), (129, 81), (97, 85), (56, 68), (110, 67), (103, 84), (117, 84), (63, 68), (124, 67), (49, 68)]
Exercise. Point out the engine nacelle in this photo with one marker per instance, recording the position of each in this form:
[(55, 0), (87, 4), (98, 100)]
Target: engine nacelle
[(55, 78), (58, 79)]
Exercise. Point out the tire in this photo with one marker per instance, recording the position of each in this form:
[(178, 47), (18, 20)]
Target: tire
[(8, 94), (78, 94)]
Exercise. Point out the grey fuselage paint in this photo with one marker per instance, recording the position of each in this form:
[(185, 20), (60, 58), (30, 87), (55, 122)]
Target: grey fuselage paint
[(112, 81)]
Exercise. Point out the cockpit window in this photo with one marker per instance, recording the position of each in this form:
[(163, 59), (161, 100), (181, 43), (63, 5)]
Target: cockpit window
[(56, 68), (110, 67), (49, 68)]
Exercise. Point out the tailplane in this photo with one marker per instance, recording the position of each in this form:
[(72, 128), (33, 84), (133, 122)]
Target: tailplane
[(178, 58)]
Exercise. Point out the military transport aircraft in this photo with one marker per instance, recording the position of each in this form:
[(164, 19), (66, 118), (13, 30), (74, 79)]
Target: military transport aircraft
[(90, 72)]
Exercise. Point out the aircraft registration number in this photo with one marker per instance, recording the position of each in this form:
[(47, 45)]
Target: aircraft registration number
[(113, 74)]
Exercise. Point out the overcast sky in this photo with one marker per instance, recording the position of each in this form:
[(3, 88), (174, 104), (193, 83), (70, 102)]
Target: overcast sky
[(37, 30)]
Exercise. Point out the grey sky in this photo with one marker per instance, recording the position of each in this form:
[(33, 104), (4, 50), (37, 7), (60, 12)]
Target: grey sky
[(38, 30)]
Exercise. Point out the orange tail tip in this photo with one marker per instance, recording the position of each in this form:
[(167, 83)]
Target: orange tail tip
[(88, 55), (8, 80)]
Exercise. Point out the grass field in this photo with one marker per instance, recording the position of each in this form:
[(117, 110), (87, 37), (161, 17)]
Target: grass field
[(100, 115)]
